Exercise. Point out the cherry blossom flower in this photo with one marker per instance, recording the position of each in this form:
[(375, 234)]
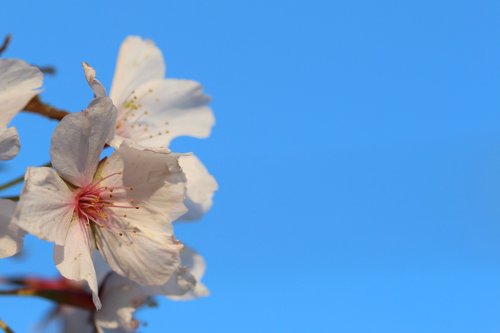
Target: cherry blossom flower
[(152, 111), (11, 237), (121, 298), (121, 206), (19, 82)]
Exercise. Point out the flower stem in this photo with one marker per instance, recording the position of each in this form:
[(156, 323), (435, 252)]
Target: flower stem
[(11, 198), (18, 180), (19, 292), (49, 70), (69, 296), (5, 328), (5, 43), (11, 183), (35, 105)]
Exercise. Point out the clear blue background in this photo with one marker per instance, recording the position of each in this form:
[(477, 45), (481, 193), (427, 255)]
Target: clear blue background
[(357, 149)]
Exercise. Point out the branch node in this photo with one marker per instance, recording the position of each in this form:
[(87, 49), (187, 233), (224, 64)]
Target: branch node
[(5, 44), (35, 105)]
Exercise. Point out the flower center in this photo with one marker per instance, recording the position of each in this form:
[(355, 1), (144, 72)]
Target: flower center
[(134, 122), (94, 203), (90, 204)]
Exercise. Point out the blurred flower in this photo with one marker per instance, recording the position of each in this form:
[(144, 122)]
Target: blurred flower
[(122, 206), (195, 265), (19, 82), (121, 298)]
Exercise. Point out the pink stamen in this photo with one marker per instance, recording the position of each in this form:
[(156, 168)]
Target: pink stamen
[(94, 204)]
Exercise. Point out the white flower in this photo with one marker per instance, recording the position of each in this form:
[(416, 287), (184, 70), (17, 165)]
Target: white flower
[(19, 82), (11, 237), (153, 110), (122, 206), (121, 298)]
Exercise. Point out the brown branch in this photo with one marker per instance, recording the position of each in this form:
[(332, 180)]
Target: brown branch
[(5, 328), (49, 70), (43, 109), (73, 296), (5, 44)]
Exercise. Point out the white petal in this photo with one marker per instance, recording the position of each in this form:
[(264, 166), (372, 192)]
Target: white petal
[(74, 261), (9, 143), (11, 237), (94, 84), (148, 257), (157, 180), (200, 187), (196, 267), (79, 138), (139, 61), (162, 110), (19, 82), (121, 297), (143, 250), (180, 284), (46, 205)]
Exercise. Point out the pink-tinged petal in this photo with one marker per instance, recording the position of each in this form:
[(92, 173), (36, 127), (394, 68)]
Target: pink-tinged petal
[(200, 187), (94, 84), (196, 266), (148, 257), (138, 243), (161, 110), (45, 207), (11, 237), (79, 138), (9, 143), (157, 182), (139, 61), (74, 260), (19, 82)]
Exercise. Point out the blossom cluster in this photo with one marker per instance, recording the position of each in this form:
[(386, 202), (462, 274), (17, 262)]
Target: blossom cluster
[(112, 192)]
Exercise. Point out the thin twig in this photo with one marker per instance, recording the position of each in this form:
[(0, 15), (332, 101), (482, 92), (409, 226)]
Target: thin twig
[(11, 183), (20, 292), (18, 180), (5, 44), (11, 198), (5, 328), (69, 296), (44, 109), (49, 70)]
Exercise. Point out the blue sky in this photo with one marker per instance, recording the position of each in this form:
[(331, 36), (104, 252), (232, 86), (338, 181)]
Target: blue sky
[(357, 149)]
